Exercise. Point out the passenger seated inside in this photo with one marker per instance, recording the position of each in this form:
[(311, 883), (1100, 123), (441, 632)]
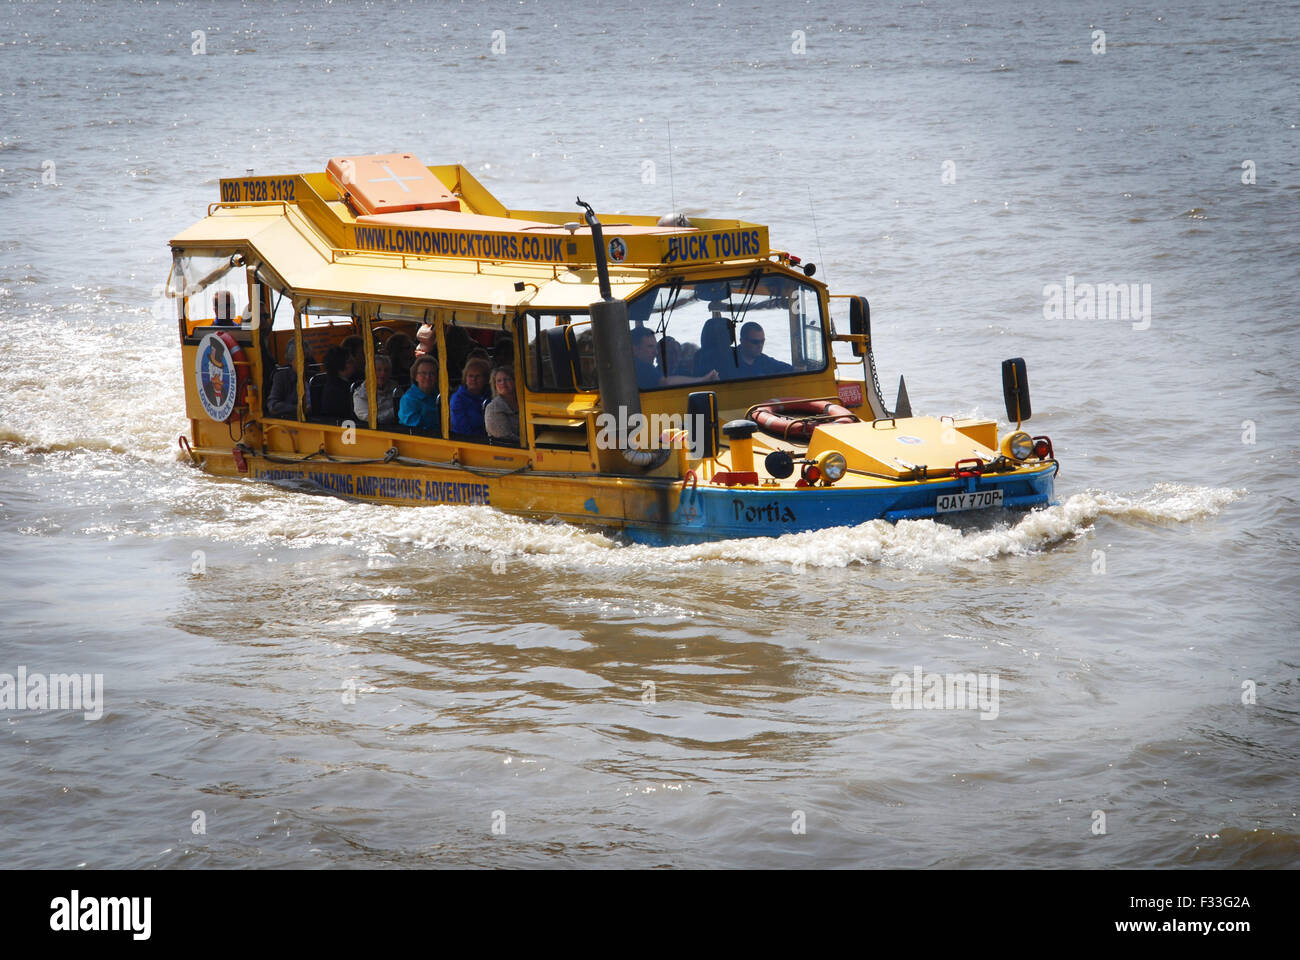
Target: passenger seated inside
[(716, 352), (266, 306), (586, 358), (645, 355), (223, 308), (501, 415), (355, 348), (459, 347), (467, 402), (503, 352), (686, 362), (402, 352), (753, 361), (670, 354), (388, 396), (419, 406), (333, 388), (282, 401)]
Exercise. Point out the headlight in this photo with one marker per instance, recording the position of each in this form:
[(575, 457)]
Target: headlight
[(833, 465), (1018, 445)]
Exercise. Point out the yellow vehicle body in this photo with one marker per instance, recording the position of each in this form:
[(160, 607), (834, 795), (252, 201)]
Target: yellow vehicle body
[(303, 263)]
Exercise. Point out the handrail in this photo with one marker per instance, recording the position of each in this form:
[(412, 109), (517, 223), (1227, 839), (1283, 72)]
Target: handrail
[(225, 204)]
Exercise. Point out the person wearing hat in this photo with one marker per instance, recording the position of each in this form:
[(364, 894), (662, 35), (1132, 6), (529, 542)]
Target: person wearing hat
[(426, 344)]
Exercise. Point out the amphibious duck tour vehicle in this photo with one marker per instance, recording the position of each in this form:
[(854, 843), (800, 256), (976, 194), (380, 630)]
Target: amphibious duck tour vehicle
[(676, 379)]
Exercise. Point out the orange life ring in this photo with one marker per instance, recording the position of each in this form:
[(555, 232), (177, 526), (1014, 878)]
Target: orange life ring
[(795, 420)]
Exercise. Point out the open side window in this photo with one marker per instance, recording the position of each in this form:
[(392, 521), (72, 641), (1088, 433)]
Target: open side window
[(212, 288), (561, 357)]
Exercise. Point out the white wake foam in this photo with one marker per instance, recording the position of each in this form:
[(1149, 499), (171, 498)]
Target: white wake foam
[(292, 518)]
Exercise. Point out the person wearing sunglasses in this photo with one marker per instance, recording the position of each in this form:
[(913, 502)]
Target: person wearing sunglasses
[(753, 361)]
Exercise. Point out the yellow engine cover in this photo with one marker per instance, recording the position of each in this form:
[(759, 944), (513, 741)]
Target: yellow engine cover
[(890, 447)]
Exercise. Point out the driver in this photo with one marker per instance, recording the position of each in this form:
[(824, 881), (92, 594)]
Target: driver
[(753, 361)]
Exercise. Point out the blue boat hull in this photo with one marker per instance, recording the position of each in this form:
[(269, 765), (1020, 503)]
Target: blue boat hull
[(720, 513)]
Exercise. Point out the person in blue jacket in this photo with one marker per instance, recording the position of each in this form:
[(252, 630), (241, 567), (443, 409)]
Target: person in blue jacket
[(467, 402), (645, 358), (419, 406)]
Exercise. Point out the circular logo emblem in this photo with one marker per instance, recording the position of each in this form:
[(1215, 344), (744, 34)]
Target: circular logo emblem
[(215, 369), (910, 440), (617, 250)]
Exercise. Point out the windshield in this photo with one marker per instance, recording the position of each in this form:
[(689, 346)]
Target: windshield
[(744, 328)]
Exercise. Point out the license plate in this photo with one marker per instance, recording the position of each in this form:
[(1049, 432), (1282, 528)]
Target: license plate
[(979, 500)]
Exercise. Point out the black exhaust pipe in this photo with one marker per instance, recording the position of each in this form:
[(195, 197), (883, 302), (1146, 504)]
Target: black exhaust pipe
[(615, 370)]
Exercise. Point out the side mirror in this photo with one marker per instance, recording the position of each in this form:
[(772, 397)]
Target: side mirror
[(859, 322), (702, 423), (1015, 389)]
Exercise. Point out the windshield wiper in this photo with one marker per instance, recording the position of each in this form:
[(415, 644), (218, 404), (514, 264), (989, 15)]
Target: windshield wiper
[(733, 322), (674, 293)]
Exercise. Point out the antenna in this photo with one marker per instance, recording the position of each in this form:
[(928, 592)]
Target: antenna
[(672, 189), (817, 234)]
